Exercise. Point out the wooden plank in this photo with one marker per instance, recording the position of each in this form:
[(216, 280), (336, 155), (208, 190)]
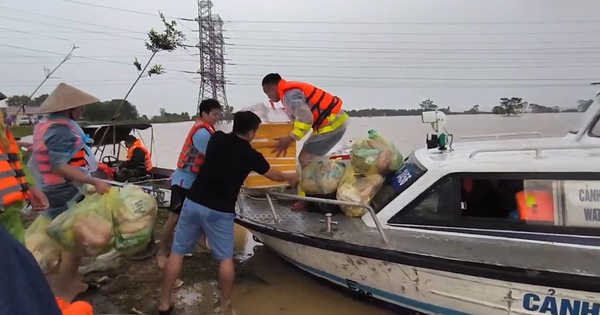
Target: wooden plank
[(264, 142)]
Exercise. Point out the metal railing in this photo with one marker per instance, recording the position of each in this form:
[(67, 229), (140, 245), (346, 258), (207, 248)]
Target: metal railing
[(371, 211), (497, 136), (538, 149)]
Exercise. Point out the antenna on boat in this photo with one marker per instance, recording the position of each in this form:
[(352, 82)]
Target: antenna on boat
[(442, 139)]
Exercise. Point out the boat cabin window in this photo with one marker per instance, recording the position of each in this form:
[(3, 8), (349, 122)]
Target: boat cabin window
[(398, 182), (506, 201)]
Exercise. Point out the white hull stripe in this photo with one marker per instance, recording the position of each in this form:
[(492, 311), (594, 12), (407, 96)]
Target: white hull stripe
[(382, 295)]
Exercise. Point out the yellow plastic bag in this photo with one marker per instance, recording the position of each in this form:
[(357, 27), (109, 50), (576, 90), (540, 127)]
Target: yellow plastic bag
[(86, 228), (322, 176), (375, 155), (359, 188), (43, 248), (134, 219)]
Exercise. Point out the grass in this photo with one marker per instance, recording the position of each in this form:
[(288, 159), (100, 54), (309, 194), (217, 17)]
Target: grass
[(21, 131)]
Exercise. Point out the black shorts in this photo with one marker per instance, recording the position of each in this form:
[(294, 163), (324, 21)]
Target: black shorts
[(178, 195)]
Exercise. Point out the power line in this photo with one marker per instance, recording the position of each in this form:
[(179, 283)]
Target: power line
[(403, 42), (83, 57), (353, 22), (386, 49), (356, 85), (354, 33), (87, 43), (413, 67), (361, 78), (63, 26), (120, 9), (413, 22), (71, 20)]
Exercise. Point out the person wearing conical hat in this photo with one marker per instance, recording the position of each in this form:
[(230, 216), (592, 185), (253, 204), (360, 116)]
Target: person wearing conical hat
[(15, 199), (61, 162)]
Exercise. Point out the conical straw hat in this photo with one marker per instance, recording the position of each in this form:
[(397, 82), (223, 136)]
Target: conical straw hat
[(65, 97)]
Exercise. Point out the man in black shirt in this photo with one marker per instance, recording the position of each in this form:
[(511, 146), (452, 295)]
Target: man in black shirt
[(209, 208)]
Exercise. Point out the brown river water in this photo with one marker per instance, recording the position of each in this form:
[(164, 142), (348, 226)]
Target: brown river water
[(284, 289)]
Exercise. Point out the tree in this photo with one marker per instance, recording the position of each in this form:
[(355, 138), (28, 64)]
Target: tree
[(428, 105), (104, 111), (498, 110), (512, 105), (473, 110), (583, 105), (18, 100)]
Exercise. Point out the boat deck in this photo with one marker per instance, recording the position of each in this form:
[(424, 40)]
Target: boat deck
[(454, 246)]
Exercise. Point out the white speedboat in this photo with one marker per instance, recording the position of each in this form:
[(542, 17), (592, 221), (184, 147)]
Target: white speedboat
[(483, 228)]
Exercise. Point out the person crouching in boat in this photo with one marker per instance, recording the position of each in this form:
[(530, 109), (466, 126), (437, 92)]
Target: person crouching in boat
[(311, 108), (189, 163), (16, 184), (138, 163), (209, 208), (61, 162)]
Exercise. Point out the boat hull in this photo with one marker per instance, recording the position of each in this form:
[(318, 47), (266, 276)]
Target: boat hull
[(425, 290)]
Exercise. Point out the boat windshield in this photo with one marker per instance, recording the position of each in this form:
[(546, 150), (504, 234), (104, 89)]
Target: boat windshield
[(398, 182)]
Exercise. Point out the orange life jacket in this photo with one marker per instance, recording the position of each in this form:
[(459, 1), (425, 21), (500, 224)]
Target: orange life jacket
[(189, 157), (323, 104), (75, 308), (13, 185), (147, 157), (535, 205), (40, 152)]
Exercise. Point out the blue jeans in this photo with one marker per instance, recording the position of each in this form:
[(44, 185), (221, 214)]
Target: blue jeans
[(195, 220)]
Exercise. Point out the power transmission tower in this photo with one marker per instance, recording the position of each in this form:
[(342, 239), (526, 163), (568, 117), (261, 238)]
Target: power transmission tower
[(212, 61)]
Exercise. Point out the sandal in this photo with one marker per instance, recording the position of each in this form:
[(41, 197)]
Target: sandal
[(93, 287)]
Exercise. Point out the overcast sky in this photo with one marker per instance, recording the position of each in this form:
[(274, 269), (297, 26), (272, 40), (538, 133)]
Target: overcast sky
[(388, 54)]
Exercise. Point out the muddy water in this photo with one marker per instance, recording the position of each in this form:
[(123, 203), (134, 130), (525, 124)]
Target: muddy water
[(277, 287)]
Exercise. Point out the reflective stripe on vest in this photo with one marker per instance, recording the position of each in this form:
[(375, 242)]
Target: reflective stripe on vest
[(326, 108), (147, 157), (13, 184), (42, 159), (189, 157)]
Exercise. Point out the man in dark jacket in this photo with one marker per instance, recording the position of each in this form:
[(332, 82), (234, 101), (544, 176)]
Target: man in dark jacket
[(138, 160)]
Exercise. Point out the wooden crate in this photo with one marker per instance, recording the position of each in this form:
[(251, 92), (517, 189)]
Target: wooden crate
[(264, 143)]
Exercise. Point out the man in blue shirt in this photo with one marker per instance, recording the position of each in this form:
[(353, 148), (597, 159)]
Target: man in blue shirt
[(189, 162), (209, 208)]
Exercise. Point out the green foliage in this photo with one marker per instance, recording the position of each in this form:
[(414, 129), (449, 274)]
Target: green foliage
[(104, 111), (165, 117), (18, 100), (21, 131), (167, 40), (583, 105)]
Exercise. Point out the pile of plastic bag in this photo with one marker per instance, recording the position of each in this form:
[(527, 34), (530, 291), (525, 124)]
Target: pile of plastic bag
[(45, 250), (122, 219), (371, 159), (322, 176), (356, 187), (375, 155)]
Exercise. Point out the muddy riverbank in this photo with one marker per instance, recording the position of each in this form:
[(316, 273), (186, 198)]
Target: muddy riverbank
[(265, 285)]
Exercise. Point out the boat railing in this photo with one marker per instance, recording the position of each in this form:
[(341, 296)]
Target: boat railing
[(538, 149), (370, 210), (497, 136)]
